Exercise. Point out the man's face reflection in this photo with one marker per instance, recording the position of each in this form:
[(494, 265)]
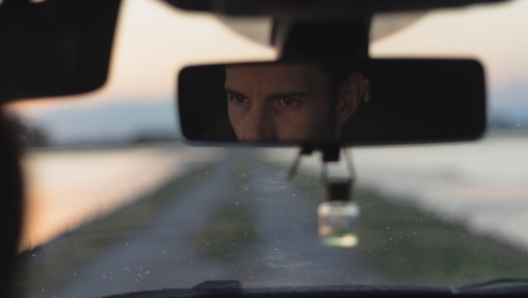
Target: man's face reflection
[(288, 103)]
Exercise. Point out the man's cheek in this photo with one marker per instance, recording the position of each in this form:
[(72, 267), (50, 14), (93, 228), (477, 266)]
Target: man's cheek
[(239, 115), (292, 127), (309, 122), (233, 119), (238, 122)]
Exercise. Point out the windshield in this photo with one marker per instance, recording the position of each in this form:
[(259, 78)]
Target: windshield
[(117, 203)]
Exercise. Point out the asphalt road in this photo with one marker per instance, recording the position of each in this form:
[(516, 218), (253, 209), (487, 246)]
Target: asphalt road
[(241, 221)]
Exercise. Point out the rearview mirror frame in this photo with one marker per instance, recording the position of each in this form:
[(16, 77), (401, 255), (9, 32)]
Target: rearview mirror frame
[(465, 76)]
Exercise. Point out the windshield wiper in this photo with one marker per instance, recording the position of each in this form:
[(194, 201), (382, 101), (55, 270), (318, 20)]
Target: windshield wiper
[(502, 285), (233, 288)]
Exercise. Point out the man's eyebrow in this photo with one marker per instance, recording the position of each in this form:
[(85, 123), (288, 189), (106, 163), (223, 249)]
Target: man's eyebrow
[(289, 94), (233, 92)]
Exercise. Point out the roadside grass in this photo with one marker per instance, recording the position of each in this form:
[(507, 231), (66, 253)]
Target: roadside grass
[(232, 228), (415, 246), (412, 246), (42, 267)]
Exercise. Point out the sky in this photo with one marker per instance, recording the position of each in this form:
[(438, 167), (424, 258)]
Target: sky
[(496, 35), (154, 41)]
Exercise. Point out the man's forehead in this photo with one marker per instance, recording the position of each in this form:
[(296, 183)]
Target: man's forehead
[(270, 67), (280, 74)]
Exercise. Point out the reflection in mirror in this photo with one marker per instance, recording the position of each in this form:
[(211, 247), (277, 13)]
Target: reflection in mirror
[(348, 102), (290, 103)]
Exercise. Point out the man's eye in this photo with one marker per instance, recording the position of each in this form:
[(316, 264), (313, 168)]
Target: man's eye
[(287, 101), (239, 99)]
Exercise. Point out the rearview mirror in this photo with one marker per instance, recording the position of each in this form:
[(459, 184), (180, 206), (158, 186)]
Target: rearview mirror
[(368, 102)]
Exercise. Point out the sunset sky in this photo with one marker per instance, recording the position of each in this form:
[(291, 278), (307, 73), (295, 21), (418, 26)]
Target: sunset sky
[(495, 34), (154, 41)]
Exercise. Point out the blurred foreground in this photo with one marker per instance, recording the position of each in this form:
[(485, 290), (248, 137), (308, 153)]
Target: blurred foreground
[(172, 216)]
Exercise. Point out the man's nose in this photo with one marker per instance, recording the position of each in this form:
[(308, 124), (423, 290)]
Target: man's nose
[(260, 125)]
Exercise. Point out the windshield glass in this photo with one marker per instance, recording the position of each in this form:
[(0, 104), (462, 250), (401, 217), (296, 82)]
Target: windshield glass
[(117, 203)]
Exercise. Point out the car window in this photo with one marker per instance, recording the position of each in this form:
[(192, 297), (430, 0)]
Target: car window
[(117, 202)]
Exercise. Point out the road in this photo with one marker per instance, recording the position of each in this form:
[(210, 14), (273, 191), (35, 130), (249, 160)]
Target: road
[(241, 221)]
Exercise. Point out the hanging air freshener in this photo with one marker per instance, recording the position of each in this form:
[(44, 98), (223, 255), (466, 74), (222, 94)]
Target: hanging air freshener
[(338, 216)]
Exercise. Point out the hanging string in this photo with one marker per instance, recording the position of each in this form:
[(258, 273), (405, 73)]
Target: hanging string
[(305, 150), (324, 171), (295, 165), (350, 165)]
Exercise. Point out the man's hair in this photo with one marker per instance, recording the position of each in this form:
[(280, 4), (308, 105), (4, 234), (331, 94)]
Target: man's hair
[(337, 73)]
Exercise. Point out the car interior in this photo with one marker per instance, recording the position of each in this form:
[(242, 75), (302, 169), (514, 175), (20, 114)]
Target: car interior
[(60, 48)]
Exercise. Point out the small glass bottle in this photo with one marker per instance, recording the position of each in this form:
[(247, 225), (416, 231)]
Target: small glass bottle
[(338, 216)]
